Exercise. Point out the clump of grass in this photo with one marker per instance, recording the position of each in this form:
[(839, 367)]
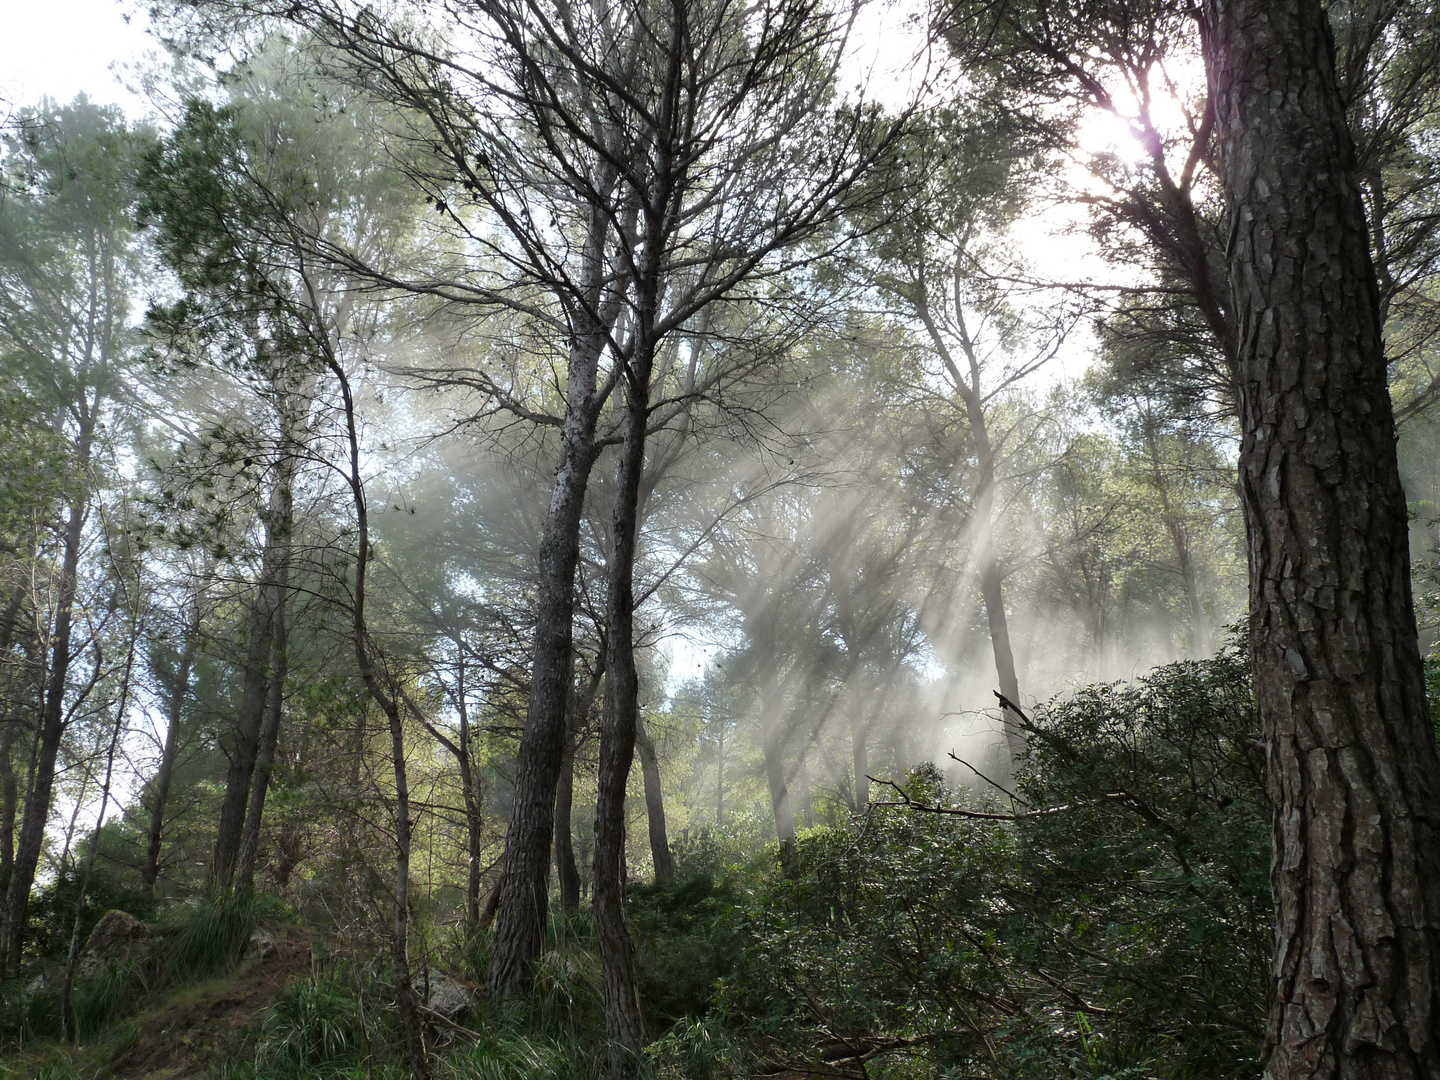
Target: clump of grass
[(695, 1050), (317, 1021), (98, 999), (209, 934), (567, 1000), (513, 1055)]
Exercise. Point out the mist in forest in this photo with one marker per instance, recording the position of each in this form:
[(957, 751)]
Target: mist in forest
[(627, 539)]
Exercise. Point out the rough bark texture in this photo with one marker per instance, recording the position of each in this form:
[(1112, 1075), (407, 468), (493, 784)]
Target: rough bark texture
[(654, 806), (1352, 764), (623, 1026)]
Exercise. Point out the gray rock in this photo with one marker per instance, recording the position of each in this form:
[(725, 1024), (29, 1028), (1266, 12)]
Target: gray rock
[(37, 985), (259, 948), (117, 937), (445, 995)]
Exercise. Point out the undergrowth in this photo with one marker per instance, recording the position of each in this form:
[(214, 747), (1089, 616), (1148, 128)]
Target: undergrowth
[(192, 942)]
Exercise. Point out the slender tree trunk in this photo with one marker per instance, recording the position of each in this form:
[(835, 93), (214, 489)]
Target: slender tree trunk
[(987, 565), (567, 869), (52, 728), (9, 798), (772, 724), (1180, 541), (265, 758), (255, 689), (720, 779), (567, 873), (624, 1029), (470, 793), (406, 1000), (159, 793), (859, 753), (1352, 764), (73, 953), (654, 806), (992, 587), (1189, 575), (9, 731)]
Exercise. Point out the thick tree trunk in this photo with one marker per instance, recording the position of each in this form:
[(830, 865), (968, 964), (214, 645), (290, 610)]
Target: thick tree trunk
[(1352, 764), (159, 788), (255, 688), (654, 806), (52, 728), (522, 900), (265, 758), (623, 1026), (522, 893)]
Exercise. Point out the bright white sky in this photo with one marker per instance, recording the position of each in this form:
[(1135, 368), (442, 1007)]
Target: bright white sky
[(64, 47)]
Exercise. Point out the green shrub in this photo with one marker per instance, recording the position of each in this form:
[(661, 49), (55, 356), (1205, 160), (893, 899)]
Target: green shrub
[(686, 940), (1114, 922)]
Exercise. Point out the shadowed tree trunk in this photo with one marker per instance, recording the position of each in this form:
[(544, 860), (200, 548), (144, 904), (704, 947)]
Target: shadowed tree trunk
[(159, 787), (654, 806), (258, 675), (470, 792), (567, 871), (9, 798), (521, 896), (624, 1028), (772, 742), (265, 758), (10, 729), (1352, 765)]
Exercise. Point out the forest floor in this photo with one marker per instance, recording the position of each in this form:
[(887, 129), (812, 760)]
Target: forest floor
[(186, 1030), (196, 1026)]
